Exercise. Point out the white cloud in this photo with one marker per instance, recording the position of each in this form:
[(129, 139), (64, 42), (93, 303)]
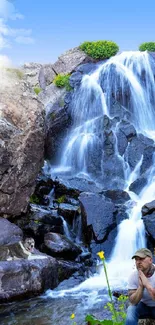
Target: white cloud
[(24, 40), (8, 11), (3, 42), (7, 34), (5, 61)]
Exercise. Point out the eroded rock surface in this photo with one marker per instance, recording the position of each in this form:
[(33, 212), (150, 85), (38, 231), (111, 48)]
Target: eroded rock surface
[(21, 143)]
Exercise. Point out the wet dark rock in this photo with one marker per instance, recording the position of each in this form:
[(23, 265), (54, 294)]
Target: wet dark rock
[(58, 245), (121, 215), (117, 196), (105, 246), (68, 211), (67, 268), (68, 98), (75, 278), (75, 79), (147, 158), (87, 68), (84, 256), (57, 122), (71, 201), (138, 184), (117, 110), (74, 186), (122, 142), (149, 221), (40, 221), (139, 146), (98, 213), (24, 278), (128, 130), (43, 186), (113, 172), (148, 208)]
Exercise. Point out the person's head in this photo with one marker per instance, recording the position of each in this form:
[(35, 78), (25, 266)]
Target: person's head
[(143, 259)]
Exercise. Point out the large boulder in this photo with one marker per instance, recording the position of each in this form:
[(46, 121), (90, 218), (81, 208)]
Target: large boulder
[(68, 61), (58, 245), (25, 278), (42, 75), (21, 142)]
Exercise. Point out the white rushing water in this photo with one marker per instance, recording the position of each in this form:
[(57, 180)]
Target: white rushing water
[(130, 72), (90, 105)]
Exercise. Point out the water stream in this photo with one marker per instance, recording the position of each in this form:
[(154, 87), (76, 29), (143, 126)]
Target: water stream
[(132, 71), (128, 71)]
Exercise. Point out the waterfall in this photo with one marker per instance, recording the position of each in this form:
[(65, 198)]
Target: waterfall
[(88, 109), (128, 75)]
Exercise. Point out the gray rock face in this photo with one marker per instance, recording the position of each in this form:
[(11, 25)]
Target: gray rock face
[(149, 221), (9, 233), (21, 144), (57, 121), (148, 208), (58, 245), (25, 278), (31, 72), (68, 61), (98, 212), (42, 75)]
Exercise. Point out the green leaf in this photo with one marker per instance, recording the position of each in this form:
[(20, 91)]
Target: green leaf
[(94, 321)]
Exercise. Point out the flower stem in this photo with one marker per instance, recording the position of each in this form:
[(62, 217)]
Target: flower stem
[(109, 292)]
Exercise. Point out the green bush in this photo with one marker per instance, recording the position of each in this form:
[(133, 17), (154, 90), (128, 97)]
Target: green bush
[(100, 49), (147, 46), (62, 80), (37, 90), (34, 199)]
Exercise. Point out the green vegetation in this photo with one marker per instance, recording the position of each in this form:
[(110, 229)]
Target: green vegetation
[(37, 90), (61, 199), (148, 46), (62, 80), (100, 49), (34, 199)]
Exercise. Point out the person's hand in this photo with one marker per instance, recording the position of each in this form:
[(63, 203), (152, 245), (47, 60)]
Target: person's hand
[(142, 278)]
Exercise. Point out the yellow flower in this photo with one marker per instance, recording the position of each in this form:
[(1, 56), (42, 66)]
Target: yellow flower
[(72, 316), (101, 255)]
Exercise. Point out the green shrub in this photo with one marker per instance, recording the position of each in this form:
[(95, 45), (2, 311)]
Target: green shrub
[(100, 49), (37, 90), (148, 46), (62, 80), (34, 199)]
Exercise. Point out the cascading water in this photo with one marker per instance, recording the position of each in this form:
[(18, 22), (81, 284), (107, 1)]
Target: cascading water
[(129, 78), (128, 73), (88, 108)]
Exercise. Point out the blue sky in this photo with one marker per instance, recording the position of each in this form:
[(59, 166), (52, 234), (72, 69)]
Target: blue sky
[(40, 31)]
